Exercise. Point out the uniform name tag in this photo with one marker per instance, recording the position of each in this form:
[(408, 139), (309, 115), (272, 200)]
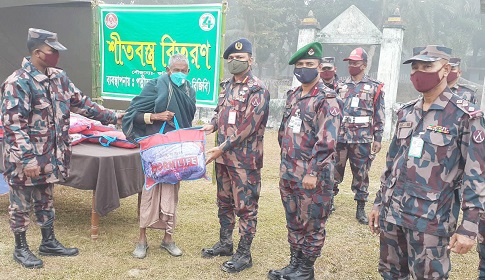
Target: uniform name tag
[(405, 124), (232, 117), (416, 148), (295, 124), (355, 102)]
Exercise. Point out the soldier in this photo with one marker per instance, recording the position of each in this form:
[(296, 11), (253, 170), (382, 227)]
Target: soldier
[(435, 157), (35, 105), (465, 92), (308, 138), (240, 120), (362, 126), (329, 72)]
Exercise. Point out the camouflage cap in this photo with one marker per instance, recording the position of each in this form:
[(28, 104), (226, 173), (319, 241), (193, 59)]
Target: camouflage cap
[(329, 61), (455, 61), (312, 50), (359, 54), (430, 53), (47, 37)]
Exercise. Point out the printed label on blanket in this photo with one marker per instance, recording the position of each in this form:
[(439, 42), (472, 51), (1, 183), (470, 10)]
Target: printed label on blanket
[(171, 163)]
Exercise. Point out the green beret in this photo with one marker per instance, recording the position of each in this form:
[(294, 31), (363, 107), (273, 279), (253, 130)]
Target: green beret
[(312, 50)]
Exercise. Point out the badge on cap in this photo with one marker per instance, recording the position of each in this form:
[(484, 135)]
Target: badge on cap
[(238, 46), (311, 51), (334, 111), (478, 136)]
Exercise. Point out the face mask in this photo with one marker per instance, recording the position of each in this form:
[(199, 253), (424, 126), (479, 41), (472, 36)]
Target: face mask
[(178, 78), (51, 59), (305, 75), (424, 81), (327, 74), (237, 66), (452, 76), (354, 70)]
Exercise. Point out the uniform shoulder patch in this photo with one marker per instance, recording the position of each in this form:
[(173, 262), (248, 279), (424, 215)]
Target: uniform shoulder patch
[(468, 108), (224, 82), (408, 104), (468, 87), (254, 84)]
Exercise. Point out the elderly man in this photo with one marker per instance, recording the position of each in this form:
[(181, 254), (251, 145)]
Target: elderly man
[(308, 138), (160, 100), (435, 157), (36, 101), (240, 120)]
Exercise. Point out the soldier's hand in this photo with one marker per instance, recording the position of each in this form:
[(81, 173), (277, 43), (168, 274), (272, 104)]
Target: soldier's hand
[(460, 244), (374, 222), (32, 172), (376, 147), (119, 118), (163, 116), (212, 154), (208, 128), (309, 182)]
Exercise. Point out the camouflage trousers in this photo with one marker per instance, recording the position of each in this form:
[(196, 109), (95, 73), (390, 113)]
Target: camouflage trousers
[(21, 200), (360, 159), (481, 248), (306, 214), (238, 194), (405, 253)]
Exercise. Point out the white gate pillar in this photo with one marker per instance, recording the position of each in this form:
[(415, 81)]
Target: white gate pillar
[(389, 66), (307, 34)]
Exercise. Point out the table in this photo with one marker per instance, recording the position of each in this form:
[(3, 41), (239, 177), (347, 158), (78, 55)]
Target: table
[(112, 173)]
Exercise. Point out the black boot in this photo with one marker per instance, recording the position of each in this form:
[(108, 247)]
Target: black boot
[(305, 270), (51, 247), (481, 264), (360, 214), (295, 258), (22, 253), (222, 248), (242, 258)]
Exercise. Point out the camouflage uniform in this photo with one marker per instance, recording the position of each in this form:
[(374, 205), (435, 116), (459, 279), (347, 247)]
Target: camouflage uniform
[(465, 92), (308, 151), (362, 123), (238, 170), (419, 198), (35, 114)]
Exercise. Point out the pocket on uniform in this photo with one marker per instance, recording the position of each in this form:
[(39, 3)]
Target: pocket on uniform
[(420, 201), (320, 205), (436, 146), (308, 119), (290, 204), (437, 262), (41, 103)]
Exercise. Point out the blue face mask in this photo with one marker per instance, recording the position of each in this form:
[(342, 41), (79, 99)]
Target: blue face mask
[(178, 78)]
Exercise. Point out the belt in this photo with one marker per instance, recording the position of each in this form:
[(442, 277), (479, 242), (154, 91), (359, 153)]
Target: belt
[(352, 119)]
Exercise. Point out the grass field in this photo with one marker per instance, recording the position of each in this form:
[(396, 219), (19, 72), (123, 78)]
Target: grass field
[(350, 251)]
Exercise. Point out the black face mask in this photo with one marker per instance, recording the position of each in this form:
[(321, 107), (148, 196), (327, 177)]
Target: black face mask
[(305, 75)]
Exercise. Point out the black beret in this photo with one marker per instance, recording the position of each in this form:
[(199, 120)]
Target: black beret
[(239, 46)]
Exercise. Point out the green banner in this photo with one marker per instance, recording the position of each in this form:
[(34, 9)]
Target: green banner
[(136, 43)]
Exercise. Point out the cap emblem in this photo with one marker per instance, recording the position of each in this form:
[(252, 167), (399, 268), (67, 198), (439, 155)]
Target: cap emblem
[(311, 51), (238, 46)]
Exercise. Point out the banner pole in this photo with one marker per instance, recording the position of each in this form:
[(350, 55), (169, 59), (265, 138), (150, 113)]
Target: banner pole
[(221, 71), (96, 86)]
